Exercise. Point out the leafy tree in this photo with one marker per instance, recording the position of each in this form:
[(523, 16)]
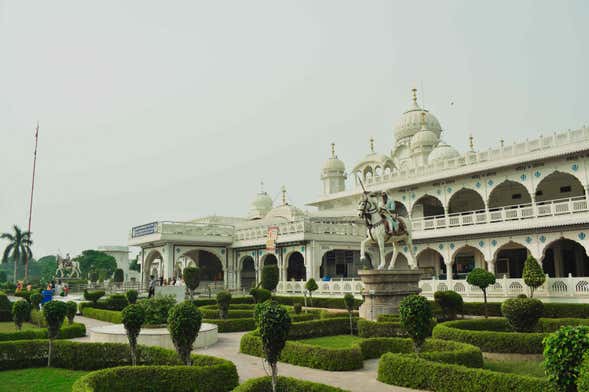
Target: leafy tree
[(21, 311), (47, 267), (134, 265), (522, 314), (191, 279), (482, 279), (54, 313), (132, 296), (184, 322), (270, 277), (451, 303), (533, 274), (35, 300), (563, 355), (18, 250), (273, 324), (223, 302), (416, 319), (93, 276), (96, 260), (3, 277), (350, 302), (133, 318), (72, 309), (260, 295), (119, 276), (311, 286)]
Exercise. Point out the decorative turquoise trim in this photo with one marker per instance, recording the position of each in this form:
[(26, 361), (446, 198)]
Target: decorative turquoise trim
[(302, 248), (490, 182), (452, 245), (405, 249), (439, 191), (404, 197), (523, 177), (542, 239), (529, 239), (538, 174), (414, 248), (494, 242), (575, 167), (222, 251), (441, 246), (478, 184), (481, 243), (413, 195), (582, 236)]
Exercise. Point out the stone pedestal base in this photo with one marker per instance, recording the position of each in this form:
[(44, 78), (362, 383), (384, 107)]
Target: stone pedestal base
[(384, 290)]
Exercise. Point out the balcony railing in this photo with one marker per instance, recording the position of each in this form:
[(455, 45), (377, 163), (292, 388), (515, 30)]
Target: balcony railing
[(182, 228)]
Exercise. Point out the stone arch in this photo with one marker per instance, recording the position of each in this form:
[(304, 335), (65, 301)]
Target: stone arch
[(295, 266), (465, 200), (401, 209), (430, 260), (269, 259), (563, 256), (427, 206), (153, 258), (247, 268), (464, 259), (559, 185), (510, 258), (508, 194), (377, 171), (367, 172), (341, 263), (210, 264)]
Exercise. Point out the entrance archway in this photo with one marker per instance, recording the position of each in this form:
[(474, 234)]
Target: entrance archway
[(211, 268), (248, 273), (465, 200), (510, 260), (153, 265), (465, 260), (269, 259), (509, 194), (564, 257), (296, 267), (341, 264), (430, 261), (427, 206)]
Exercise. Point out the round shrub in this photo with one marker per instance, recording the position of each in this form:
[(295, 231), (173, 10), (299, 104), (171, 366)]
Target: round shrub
[(451, 303), (270, 277), (298, 308), (21, 311), (223, 302), (416, 318), (157, 308), (260, 295), (35, 299), (133, 318), (522, 314), (482, 279), (264, 384), (72, 309), (311, 286), (533, 275), (274, 324), (5, 307), (132, 296), (191, 277), (93, 296), (116, 302), (54, 313), (184, 322), (563, 354)]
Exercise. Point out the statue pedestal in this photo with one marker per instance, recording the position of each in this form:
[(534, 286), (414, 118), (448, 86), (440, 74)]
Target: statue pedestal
[(385, 289)]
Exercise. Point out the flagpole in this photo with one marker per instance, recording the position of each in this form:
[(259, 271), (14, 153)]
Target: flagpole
[(31, 200)]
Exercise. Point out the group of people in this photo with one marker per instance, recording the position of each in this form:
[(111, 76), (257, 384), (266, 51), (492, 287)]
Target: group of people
[(153, 282), (58, 288)]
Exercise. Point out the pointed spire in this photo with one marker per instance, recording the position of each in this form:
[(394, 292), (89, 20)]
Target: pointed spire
[(262, 187), (372, 145), (502, 143), (283, 190), (333, 151), (414, 93), (471, 142)]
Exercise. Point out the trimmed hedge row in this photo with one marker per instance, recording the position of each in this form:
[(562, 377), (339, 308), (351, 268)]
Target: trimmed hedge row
[(551, 310), (233, 325), (413, 372), (321, 327), (388, 317), (264, 384), (553, 324), (490, 335), (583, 378), (318, 302), (74, 330), (112, 316), (371, 329), (37, 318), (221, 375)]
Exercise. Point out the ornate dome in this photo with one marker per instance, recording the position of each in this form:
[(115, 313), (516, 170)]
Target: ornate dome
[(410, 122), (333, 163), (425, 137), (261, 205), (443, 152), (374, 159)]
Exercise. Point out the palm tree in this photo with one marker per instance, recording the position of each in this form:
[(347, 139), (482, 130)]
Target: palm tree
[(19, 249)]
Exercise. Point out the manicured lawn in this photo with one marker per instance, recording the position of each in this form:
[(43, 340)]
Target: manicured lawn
[(8, 326), (39, 380), (338, 341), (525, 368)]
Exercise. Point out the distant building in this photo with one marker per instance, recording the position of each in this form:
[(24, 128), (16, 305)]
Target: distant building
[(490, 209), (121, 255)]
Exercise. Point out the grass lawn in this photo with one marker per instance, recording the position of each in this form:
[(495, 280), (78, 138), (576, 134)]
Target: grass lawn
[(525, 368), (39, 380), (338, 341), (8, 326)]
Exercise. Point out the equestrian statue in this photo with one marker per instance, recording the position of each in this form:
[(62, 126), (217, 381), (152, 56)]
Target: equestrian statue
[(384, 226), (66, 265)]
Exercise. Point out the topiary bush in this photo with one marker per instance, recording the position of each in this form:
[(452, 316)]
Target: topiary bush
[(416, 319), (583, 377), (451, 303), (35, 300), (372, 329), (132, 296), (273, 325), (298, 308), (522, 314), (260, 295), (93, 296), (115, 302), (54, 312), (157, 308), (5, 307), (563, 355), (21, 311), (133, 318), (72, 309), (264, 384), (482, 279), (118, 276), (270, 277), (184, 322), (533, 274), (349, 302), (311, 286), (191, 277), (223, 302)]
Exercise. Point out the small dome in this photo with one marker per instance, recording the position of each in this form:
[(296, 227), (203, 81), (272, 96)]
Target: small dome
[(261, 205), (410, 122), (424, 138), (443, 152), (334, 163), (285, 212), (373, 158)]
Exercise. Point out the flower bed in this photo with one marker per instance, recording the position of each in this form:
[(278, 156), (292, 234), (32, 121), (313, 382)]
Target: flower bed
[(264, 384), (74, 330), (413, 372)]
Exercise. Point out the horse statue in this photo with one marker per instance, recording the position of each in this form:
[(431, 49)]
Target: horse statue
[(369, 209), (65, 265)]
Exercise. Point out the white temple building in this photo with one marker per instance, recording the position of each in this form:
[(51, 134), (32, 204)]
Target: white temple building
[(489, 209)]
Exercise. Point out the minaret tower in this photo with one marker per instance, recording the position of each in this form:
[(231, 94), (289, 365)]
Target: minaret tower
[(333, 174)]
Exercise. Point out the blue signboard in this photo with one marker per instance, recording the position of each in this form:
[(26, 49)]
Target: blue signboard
[(142, 230)]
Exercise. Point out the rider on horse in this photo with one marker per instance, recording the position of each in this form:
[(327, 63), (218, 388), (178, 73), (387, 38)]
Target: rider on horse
[(387, 211)]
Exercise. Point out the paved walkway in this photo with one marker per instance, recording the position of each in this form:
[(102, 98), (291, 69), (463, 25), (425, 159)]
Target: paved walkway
[(251, 367)]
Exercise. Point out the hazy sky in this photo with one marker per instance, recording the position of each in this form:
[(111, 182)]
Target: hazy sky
[(170, 110)]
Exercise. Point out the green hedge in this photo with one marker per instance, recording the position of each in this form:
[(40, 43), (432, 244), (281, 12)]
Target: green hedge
[(371, 329), (212, 301), (233, 325), (490, 335), (388, 317), (37, 318), (264, 384), (322, 327), (583, 378), (553, 324), (413, 372), (551, 310), (232, 314), (93, 356), (112, 316), (66, 332), (318, 302)]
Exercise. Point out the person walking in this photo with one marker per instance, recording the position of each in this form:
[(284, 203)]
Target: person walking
[(151, 290)]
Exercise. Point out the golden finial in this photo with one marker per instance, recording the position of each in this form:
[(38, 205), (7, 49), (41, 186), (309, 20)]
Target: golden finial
[(414, 92), (372, 145), (333, 150), (471, 142), (283, 189)]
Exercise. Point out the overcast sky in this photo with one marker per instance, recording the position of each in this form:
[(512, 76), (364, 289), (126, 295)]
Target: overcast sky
[(171, 110)]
